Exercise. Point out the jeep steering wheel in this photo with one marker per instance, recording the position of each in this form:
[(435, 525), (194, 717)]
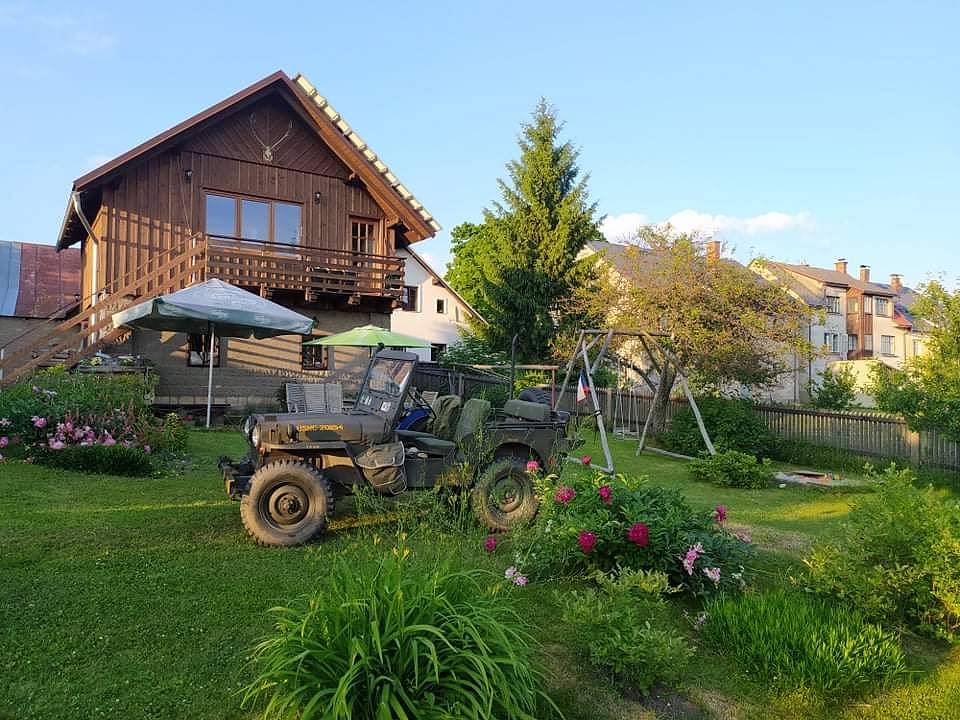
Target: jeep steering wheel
[(419, 402)]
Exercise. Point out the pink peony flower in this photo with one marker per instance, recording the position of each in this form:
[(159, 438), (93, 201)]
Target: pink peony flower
[(720, 513), (586, 540), (713, 573), (691, 557), (520, 580), (56, 444), (532, 466), (606, 493), (639, 534), (586, 459), (39, 422), (511, 572), (107, 440), (4, 441), (490, 544), (565, 494)]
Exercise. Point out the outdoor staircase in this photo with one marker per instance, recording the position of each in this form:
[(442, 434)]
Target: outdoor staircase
[(59, 341)]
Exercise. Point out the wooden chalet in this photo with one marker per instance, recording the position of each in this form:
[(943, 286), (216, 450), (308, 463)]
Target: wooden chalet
[(270, 190)]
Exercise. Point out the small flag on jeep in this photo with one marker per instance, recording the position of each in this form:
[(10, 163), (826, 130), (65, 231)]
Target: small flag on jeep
[(582, 387)]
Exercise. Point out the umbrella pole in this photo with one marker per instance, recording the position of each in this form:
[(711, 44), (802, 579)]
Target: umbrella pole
[(210, 375)]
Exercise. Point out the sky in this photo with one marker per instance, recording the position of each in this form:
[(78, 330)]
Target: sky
[(797, 131)]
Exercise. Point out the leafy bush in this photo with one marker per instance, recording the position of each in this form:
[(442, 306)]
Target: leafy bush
[(101, 459), (792, 640), (600, 523), (837, 389), (170, 435), (732, 469), (897, 558), (731, 424), (399, 639), (623, 628)]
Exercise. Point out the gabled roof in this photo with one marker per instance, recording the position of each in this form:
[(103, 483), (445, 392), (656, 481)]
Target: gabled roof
[(36, 281), (443, 283), (835, 278), (332, 129)]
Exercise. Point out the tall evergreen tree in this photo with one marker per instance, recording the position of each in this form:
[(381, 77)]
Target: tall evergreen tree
[(520, 265)]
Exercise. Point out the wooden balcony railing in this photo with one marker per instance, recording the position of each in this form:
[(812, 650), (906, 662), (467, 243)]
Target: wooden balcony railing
[(313, 271)]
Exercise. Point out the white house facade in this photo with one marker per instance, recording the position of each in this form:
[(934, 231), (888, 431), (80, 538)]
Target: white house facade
[(430, 309)]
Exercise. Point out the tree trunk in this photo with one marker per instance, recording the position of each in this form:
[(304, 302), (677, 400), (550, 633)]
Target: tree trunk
[(661, 399)]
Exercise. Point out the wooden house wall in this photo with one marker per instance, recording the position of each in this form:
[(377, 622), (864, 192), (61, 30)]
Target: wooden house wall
[(154, 206)]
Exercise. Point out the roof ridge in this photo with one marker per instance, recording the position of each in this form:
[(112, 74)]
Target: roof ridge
[(350, 134)]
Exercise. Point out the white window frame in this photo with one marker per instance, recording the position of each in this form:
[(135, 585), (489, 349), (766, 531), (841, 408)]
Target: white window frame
[(885, 304), (441, 301), (892, 350)]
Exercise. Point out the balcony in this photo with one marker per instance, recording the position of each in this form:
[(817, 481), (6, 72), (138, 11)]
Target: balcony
[(316, 272)]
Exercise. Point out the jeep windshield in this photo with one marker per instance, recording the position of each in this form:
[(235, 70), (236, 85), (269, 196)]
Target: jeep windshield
[(385, 384)]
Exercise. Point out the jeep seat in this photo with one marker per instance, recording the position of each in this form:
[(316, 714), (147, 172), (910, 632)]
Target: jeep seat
[(446, 415), (472, 417), (425, 442)]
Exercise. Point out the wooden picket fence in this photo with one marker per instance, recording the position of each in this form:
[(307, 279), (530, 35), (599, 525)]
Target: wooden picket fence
[(866, 433)]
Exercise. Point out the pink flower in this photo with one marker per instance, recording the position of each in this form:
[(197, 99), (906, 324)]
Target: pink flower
[(511, 572), (586, 459), (720, 513), (39, 422), (490, 544), (565, 494), (639, 534), (107, 440), (4, 441), (520, 580), (56, 444), (586, 540), (691, 557), (532, 466), (713, 573), (606, 493)]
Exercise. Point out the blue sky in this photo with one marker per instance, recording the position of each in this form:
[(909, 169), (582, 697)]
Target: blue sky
[(799, 131)]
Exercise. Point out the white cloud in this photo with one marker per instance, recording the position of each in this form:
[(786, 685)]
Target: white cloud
[(620, 227), (617, 228)]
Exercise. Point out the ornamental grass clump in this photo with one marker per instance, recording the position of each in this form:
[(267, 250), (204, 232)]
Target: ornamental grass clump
[(792, 640), (399, 638)]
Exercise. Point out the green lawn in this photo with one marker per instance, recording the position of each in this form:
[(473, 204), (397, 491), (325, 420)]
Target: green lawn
[(139, 598)]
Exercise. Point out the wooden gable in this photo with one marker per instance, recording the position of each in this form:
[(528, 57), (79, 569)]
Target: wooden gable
[(269, 132)]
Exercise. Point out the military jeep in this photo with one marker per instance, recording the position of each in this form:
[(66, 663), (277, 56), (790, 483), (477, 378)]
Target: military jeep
[(300, 464)]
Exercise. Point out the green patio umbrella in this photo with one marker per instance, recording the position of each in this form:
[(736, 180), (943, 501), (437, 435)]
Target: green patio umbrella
[(217, 308), (370, 336)]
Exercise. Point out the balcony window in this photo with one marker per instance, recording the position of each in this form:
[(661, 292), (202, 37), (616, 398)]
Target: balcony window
[(250, 219), (852, 343), (409, 298), (363, 234), (868, 304), (198, 350)]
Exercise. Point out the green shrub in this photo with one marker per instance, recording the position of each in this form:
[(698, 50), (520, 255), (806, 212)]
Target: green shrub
[(732, 469), (791, 640), (170, 435), (624, 629), (837, 389), (731, 424), (101, 459), (601, 523), (398, 639), (897, 557)]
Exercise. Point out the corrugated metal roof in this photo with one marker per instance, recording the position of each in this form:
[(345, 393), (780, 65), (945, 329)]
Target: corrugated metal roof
[(36, 281), (368, 153)]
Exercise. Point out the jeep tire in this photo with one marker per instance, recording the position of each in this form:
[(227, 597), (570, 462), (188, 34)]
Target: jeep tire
[(503, 496), (288, 504)]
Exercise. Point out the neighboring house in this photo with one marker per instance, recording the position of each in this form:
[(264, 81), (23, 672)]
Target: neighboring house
[(36, 283), (860, 321), (270, 190), (429, 308)]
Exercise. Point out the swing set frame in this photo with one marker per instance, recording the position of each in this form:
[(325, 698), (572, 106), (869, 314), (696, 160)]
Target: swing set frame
[(659, 356)]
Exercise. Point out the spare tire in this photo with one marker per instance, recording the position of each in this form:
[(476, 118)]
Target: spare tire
[(535, 395)]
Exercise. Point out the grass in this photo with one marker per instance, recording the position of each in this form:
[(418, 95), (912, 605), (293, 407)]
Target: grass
[(141, 598)]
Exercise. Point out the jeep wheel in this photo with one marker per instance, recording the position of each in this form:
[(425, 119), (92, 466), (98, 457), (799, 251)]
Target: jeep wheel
[(503, 496), (288, 504)]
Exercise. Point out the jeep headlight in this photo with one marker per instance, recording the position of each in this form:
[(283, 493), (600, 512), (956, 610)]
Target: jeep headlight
[(255, 435)]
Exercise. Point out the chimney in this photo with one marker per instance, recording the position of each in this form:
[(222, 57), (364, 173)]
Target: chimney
[(841, 265), (896, 282), (864, 273), (713, 249)]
